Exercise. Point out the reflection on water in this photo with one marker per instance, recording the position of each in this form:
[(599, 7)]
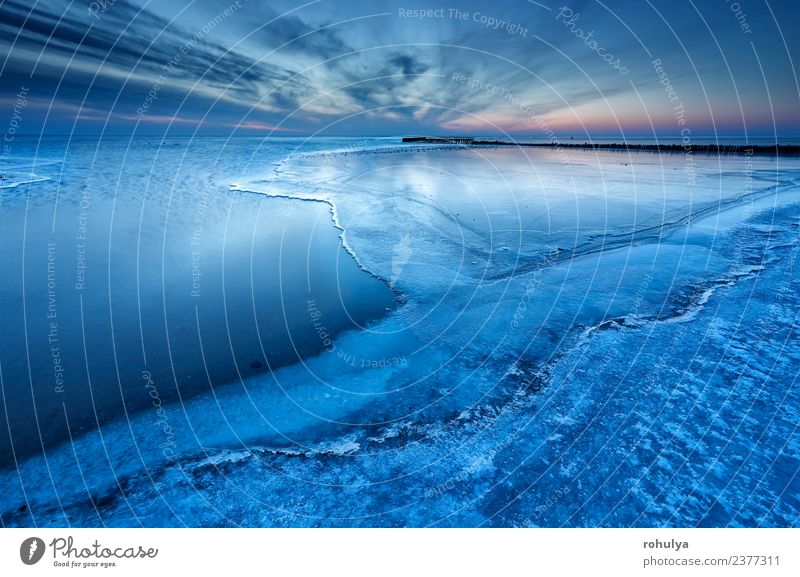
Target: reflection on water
[(120, 271)]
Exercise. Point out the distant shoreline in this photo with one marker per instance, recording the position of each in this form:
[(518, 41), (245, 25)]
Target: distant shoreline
[(752, 149)]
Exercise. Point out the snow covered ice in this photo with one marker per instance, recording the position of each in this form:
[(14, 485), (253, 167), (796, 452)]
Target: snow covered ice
[(457, 336)]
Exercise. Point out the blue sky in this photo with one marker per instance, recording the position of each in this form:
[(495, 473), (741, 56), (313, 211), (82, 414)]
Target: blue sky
[(391, 68)]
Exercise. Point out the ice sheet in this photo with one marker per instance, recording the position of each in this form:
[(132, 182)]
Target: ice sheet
[(575, 346)]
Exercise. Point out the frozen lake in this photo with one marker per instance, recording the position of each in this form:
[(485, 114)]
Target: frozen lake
[(458, 336)]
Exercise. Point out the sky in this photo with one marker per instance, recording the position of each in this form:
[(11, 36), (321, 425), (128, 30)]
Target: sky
[(629, 67)]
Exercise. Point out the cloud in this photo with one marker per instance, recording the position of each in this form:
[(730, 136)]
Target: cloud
[(308, 65)]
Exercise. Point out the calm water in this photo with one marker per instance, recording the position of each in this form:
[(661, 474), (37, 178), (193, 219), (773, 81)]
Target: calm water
[(133, 262)]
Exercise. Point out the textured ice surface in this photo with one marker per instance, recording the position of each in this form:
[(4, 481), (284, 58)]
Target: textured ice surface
[(584, 339)]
